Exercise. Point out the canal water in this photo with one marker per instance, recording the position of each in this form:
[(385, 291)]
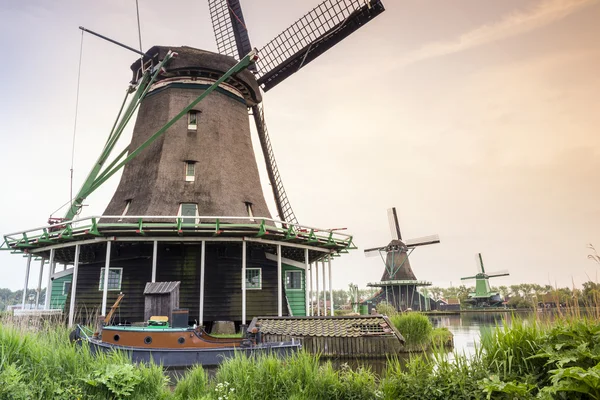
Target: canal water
[(468, 327)]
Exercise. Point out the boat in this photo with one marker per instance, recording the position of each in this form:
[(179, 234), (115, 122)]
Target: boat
[(175, 347), (178, 347)]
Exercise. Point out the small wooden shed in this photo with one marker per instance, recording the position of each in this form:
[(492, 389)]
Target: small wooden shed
[(161, 298)]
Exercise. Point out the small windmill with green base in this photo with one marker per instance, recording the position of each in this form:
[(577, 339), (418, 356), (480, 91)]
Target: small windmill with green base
[(483, 295)]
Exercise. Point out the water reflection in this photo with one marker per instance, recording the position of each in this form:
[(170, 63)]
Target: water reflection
[(468, 328)]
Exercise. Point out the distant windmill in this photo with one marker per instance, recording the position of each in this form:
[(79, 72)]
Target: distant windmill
[(483, 295), (399, 282)]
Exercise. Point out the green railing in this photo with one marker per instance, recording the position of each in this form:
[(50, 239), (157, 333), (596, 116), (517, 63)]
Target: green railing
[(164, 226)]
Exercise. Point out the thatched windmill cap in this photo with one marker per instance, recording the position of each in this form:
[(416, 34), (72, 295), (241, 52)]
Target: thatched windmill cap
[(192, 62)]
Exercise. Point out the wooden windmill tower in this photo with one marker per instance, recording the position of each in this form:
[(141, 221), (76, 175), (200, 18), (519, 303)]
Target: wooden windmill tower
[(483, 296), (399, 285), (189, 206)]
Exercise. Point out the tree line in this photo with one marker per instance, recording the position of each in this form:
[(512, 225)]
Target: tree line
[(9, 298), (528, 295)]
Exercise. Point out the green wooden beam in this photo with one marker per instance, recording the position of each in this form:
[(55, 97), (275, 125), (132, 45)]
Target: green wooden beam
[(243, 64)]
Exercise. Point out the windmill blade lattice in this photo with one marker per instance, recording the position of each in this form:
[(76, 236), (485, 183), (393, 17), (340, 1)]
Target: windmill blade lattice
[(232, 39), (230, 30), (312, 35), (284, 208)]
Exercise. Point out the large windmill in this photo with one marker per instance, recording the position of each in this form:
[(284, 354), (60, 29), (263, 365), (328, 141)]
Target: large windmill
[(483, 296), (399, 285), (189, 206)]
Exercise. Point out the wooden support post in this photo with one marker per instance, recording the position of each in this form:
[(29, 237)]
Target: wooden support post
[(316, 264), (279, 283), (51, 265), (307, 293), (26, 282), (332, 313), (324, 289), (39, 286), (154, 256), (74, 286), (312, 292), (244, 282), (202, 266), (106, 274)]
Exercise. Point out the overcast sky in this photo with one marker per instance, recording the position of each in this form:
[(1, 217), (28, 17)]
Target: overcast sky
[(477, 119)]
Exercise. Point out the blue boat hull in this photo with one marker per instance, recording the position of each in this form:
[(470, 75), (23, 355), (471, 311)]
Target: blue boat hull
[(178, 358)]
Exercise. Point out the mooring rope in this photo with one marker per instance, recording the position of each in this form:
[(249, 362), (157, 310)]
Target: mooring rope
[(75, 122)]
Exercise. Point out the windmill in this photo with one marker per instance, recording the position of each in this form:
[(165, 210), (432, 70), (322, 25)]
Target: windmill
[(483, 295), (399, 283), (189, 206)]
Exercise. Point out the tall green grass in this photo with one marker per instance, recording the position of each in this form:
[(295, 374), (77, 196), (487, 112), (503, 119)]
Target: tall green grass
[(45, 365), (542, 359)]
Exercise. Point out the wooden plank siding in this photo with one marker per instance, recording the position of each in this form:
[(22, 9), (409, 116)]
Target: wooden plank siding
[(345, 347), (58, 298), (181, 262)]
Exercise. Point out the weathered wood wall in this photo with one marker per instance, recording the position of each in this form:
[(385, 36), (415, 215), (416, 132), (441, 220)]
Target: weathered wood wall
[(345, 347), (181, 262)]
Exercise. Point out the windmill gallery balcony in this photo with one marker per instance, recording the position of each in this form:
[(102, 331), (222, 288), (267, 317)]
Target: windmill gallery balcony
[(208, 254)]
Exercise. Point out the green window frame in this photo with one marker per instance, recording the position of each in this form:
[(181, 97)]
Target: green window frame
[(115, 278), (254, 278), (293, 280)]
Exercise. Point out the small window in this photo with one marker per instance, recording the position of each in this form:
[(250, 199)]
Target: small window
[(189, 210), (293, 280), (253, 278), (190, 171), (249, 210), (193, 120), (66, 288), (115, 276)]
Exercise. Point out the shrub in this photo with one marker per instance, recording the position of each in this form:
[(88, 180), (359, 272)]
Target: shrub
[(385, 308), (441, 338), (416, 329)]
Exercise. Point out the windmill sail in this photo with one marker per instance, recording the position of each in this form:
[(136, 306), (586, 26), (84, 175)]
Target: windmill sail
[(422, 241), (498, 273), (480, 262), (282, 202), (232, 39), (312, 35), (394, 226), (229, 27)]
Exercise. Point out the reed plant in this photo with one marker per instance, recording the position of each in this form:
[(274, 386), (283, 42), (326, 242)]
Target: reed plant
[(45, 365), (416, 329), (545, 359)]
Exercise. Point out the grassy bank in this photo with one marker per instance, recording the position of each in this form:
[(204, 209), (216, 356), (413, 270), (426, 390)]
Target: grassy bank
[(558, 360)]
